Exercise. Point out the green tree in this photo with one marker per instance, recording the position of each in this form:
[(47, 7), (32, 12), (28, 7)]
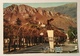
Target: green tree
[(72, 32)]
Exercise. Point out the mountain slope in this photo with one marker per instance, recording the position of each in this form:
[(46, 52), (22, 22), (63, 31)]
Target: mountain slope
[(30, 15), (68, 9)]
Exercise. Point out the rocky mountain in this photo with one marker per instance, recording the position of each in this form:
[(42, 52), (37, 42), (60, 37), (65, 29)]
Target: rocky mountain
[(67, 9), (39, 16)]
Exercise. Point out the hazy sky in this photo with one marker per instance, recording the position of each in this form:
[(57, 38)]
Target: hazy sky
[(38, 4)]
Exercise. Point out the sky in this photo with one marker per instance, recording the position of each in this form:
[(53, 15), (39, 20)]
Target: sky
[(54, 4)]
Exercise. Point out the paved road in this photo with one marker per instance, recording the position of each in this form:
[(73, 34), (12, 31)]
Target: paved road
[(33, 49), (39, 49)]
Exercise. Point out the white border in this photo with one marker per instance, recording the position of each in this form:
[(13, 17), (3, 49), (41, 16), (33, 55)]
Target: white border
[(37, 1)]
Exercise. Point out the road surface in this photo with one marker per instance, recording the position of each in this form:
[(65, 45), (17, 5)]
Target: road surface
[(40, 49)]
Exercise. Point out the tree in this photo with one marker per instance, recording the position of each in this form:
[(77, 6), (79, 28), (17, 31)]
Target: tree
[(72, 32), (18, 22)]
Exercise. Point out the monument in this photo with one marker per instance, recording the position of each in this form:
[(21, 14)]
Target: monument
[(51, 39), (50, 33)]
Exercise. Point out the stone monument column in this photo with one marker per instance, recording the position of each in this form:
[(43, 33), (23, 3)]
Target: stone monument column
[(51, 39)]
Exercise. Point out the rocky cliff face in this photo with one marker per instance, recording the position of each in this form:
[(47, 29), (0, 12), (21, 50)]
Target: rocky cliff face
[(32, 15)]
